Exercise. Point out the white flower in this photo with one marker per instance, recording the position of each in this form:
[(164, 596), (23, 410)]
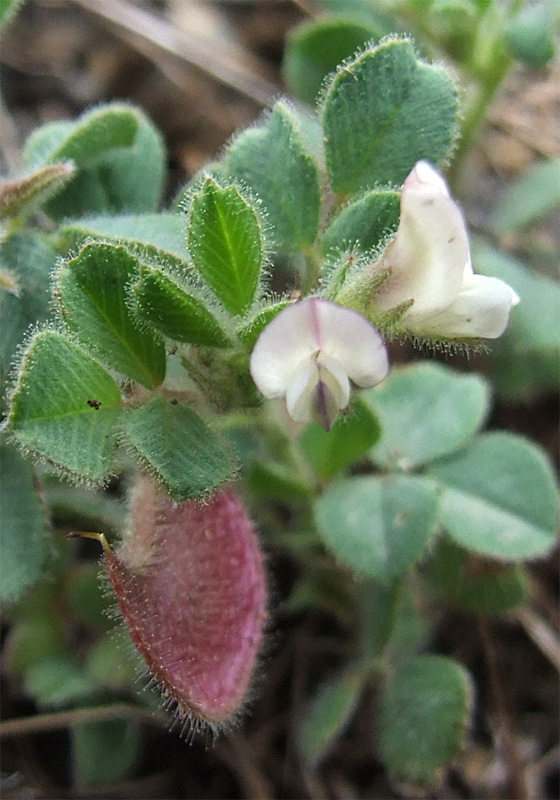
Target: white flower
[(430, 264), (310, 353)]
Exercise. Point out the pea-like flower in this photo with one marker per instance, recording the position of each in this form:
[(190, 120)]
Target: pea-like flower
[(311, 353), (430, 264)]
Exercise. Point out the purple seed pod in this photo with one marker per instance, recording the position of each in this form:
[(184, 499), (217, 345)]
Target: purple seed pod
[(191, 586)]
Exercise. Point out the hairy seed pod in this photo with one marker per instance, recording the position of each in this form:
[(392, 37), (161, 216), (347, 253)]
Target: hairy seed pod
[(190, 583)]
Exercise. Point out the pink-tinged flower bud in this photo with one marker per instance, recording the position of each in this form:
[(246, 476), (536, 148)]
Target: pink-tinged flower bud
[(430, 264), (190, 583), (311, 353)]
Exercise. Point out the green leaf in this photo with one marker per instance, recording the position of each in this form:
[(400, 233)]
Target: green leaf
[(378, 526), (28, 260), (43, 142), (21, 196), (533, 194), (104, 752), (250, 331), (178, 448), (23, 535), (475, 584), (93, 293), (65, 407), (58, 681), (382, 113), (276, 481), (349, 439), (119, 155), (177, 313), (426, 410), (161, 236), (102, 129), (85, 599), (425, 710), (328, 714), (82, 507), (8, 10), (363, 11), (272, 160), (379, 611), (112, 662), (499, 498), (212, 169), (317, 47), (412, 629), (526, 359), (134, 178), (366, 222), (225, 242), (30, 641), (531, 34)]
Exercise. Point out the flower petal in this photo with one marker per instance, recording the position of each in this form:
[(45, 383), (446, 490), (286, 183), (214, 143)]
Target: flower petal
[(354, 343), (291, 338), (334, 374), (428, 255), (311, 326), (480, 310), (300, 392), (332, 394), (319, 390)]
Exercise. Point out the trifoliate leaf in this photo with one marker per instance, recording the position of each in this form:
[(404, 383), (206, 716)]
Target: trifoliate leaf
[(104, 752), (176, 312), (28, 261), (531, 34), (476, 584), (273, 161), (119, 156), (65, 408), (93, 293), (378, 526), (23, 535), (426, 411), (328, 714), (160, 236), (365, 223), (499, 497), (425, 709), (384, 111), (178, 448), (317, 47), (226, 245)]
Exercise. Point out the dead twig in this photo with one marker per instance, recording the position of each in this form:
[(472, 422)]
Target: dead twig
[(230, 66), (64, 719), (237, 754), (9, 146), (516, 778), (541, 634)]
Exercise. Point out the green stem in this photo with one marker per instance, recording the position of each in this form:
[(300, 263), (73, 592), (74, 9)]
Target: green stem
[(312, 271), (475, 116), (377, 612), (489, 66)]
